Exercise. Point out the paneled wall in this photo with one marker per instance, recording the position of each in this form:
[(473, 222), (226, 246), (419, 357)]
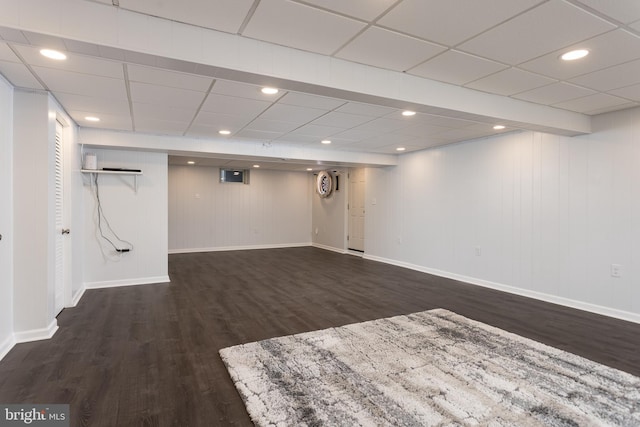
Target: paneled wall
[(537, 214), (329, 225), (139, 217), (204, 214)]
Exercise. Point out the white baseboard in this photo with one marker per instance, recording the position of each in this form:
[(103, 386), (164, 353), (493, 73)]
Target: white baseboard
[(7, 345), (76, 298), (567, 302), (37, 334), (127, 282), (329, 248), (238, 248)]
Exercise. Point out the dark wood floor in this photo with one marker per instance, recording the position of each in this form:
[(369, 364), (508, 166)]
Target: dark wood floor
[(148, 355)]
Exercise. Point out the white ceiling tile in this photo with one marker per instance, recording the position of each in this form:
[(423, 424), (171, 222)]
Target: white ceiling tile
[(450, 122), (554, 93), (107, 121), (220, 121), (537, 32), (293, 114), (361, 9), (612, 48), (7, 54), (74, 62), (312, 101), (299, 26), (382, 125), (93, 104), (202, 131), (162, 111), (342, 120), (456, 68), (258, 134), (271, 125), (611, 78), (222, 15), (316, 131), (453, 21), (365, 109), (160, 127), (160, 77), (629, 92), (154, 94), (355, 134), (19, 75), (242, 90), (235, 106), (594, 104), (388, 49), (510, 81), (625, 11), (82, 84), (422, 129)]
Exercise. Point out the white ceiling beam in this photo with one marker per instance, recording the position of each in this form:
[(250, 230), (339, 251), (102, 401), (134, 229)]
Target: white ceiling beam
[(180, 145), (118, 32)]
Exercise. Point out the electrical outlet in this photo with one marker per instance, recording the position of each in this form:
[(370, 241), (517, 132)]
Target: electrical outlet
[(616, 270), (478, 251)]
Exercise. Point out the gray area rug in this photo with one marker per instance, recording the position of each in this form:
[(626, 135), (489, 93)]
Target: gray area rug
[(433, 368)]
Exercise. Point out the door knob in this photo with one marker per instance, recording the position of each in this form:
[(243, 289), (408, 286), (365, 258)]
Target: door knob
[(66, 231)]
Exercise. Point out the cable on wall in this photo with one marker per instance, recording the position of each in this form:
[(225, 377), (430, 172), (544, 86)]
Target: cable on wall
[(124, 245)]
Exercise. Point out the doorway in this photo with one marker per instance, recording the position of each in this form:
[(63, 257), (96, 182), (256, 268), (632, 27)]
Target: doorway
[(62, 242), (355, 236)]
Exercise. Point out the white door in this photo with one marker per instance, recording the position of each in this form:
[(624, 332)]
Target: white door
[(61, 232), (356, 209)]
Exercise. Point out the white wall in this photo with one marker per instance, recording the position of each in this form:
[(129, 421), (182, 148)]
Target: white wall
[(6, 217), (138, 217), (273, 210), (33, 247), (548, 214), (329, 223)]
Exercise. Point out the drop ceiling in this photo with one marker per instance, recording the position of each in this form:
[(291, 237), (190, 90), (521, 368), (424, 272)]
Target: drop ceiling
[(506, 48)]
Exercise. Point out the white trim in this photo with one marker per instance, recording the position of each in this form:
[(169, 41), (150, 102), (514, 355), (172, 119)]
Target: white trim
[(554, 299), (238, 248), (76, 298), (7, 345), (37, 334), (329, 248), (127, 282)]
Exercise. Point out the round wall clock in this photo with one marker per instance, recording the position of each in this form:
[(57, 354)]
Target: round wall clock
[(324, 183)]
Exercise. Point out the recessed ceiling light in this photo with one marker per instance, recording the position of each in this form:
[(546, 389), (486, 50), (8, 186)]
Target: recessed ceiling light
[(309, 169), (191, 162), (499, 127), (92, 119), (574, 54), (224, 132), (400, 149), (269, 90), (325, 141), (53, 54), (408, 113), (256, 166)]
